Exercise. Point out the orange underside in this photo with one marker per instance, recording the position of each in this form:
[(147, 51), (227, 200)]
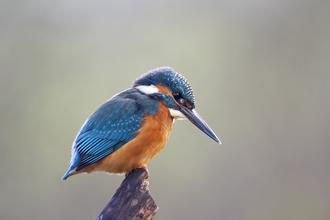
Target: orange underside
[(150, 140)]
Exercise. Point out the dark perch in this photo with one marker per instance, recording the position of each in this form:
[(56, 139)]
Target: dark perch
[(131, 200)]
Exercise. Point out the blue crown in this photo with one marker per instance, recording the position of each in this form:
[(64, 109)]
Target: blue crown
[(166, 76)]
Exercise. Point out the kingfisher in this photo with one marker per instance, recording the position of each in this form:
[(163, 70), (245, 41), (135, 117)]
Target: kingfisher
[(132, 127)]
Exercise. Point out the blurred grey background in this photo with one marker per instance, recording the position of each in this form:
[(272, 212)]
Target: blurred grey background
[(261, 76)]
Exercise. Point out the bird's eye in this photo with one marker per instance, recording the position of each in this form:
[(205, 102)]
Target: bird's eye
[(176, 95)]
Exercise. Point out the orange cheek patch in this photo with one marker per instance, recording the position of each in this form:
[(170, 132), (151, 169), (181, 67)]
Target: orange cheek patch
[(164, 90), (187, 104)]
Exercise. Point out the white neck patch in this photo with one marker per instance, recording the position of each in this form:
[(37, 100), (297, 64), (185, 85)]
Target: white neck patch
[(147, 89), (177, 115)]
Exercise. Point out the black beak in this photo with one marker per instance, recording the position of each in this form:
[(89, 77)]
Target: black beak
[(197, 120)]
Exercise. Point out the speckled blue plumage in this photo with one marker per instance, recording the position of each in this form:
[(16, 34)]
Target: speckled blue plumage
[(118, 120), (166, 76), (111, 126)]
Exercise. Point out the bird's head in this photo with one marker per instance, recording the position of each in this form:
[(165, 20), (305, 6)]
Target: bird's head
[(175, 91)]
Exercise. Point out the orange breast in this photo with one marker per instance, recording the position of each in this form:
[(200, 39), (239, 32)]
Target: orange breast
[(139, 151), (144, 147)]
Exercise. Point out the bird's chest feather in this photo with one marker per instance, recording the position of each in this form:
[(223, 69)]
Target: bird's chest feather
[(151, 139), (153, 135)]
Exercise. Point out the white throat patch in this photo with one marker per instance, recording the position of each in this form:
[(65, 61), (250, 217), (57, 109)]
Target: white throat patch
[(177, 115), (147, 89)]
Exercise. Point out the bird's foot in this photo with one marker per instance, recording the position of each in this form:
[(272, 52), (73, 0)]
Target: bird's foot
[(146, 168), (143, 167)]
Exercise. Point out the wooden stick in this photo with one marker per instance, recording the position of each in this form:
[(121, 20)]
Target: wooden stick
[(132, 200)]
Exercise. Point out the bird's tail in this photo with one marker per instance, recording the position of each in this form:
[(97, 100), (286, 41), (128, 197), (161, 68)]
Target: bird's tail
[(68, 173)]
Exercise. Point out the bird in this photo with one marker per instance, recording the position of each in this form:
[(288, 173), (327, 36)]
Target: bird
[(132, 127)]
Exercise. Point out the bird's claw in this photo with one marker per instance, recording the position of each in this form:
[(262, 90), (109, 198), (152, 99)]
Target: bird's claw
[(143, 167)]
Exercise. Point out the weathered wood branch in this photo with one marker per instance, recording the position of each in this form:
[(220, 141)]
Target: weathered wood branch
[(132, 200)]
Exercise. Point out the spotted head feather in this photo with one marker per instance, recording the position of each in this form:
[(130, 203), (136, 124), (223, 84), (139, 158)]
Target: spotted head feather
[(166, 76)]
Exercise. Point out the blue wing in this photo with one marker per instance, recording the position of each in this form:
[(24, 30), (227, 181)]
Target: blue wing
[(111, 126)]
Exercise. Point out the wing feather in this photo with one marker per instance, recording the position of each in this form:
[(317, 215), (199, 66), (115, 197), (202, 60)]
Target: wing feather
[(111, 126)]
